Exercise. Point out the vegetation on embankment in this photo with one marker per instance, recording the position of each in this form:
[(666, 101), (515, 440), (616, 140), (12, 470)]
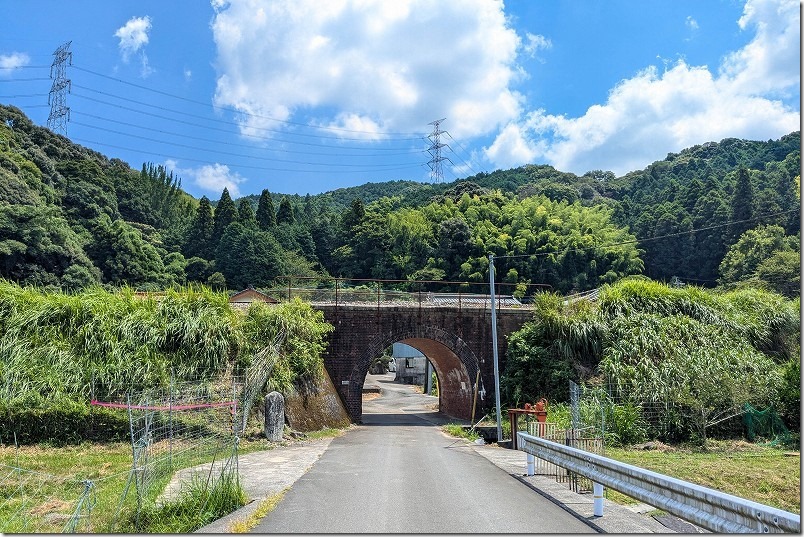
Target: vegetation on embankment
[(60, 350), (767, 475), (696, 356)]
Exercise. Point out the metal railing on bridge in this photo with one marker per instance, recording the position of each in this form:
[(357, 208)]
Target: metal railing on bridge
[(405, 293)]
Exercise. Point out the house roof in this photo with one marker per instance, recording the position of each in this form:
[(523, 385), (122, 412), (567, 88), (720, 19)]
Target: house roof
[(251, 295)]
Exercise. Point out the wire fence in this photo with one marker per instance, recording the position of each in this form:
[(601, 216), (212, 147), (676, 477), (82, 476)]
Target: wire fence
[(182, 435), (37, 502), (185, 424)]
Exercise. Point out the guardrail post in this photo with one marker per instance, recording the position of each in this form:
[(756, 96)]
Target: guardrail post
[(597, 491), (531, 464)]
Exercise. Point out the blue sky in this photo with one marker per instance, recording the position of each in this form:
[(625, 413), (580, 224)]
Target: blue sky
[(306, 96)]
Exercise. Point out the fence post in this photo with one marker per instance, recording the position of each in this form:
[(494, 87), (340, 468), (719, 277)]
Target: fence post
[(597, 490)]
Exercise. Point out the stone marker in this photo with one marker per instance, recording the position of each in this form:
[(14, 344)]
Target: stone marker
[(274, 416)]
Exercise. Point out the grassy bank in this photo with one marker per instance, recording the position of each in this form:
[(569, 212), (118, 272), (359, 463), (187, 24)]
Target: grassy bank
[(763, 474)]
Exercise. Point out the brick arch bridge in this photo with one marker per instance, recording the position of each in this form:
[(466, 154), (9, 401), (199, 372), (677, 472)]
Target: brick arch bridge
[(456, 340)]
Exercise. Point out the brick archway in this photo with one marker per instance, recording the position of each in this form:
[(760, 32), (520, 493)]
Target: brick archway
[(456, 340), (455, 364)]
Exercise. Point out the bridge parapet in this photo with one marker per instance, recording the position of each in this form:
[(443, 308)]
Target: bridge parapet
[(398, 293)]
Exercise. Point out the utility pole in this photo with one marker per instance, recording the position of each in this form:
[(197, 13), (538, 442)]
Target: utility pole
[(494, 349), (436, 170), (57, 98)]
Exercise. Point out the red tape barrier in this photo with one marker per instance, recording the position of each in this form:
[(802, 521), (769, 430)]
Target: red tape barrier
[(232, 404)]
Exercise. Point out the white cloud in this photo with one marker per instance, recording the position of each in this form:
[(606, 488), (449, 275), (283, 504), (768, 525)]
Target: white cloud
[(210, 177), (10, 62), (691, 23), (535, 44), (376, 65), (653, 113), (770, 63), (133, 37)]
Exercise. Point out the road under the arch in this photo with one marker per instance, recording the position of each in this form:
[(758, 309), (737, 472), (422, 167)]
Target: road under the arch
[(399, 473)]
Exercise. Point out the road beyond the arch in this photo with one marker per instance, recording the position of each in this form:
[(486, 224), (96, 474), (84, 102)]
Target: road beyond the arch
[(398, 473)]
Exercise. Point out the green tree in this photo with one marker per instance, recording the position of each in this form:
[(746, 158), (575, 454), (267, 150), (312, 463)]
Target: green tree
[(37, 247), (285, 213), (245, 214), (225, 214), (353, 216), (782, 272), (124, 257), (266, 216), (248, 257), (754, 247), (198, 241), (742, 206)]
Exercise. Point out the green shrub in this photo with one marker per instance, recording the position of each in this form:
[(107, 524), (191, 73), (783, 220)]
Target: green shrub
[(59, 350)]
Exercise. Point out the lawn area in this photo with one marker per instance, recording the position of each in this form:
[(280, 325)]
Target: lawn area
[(767, 475), (44, 494), (42, 485)]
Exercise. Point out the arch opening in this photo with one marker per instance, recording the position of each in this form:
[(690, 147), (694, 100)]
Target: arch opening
[(455, 366)]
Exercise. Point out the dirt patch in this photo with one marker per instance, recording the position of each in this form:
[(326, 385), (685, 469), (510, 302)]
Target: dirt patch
[(371, 396), (50, 506), (654, 445)]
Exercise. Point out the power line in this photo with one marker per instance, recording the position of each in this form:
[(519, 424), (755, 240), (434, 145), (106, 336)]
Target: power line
[(260, 168), (26, 95), (669, 235), (24, 79), (468, 166), (236, 111), (223, 142), (218, 129), (241, 155)]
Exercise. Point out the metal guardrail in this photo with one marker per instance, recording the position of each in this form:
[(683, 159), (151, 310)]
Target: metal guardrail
[(591, 295), (711, 509), (379, 297)]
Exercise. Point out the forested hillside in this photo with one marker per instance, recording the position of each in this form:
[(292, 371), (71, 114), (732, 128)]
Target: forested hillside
[(720, 213)]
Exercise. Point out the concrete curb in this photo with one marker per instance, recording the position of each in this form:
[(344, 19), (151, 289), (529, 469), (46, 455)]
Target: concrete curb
[(265, 473)]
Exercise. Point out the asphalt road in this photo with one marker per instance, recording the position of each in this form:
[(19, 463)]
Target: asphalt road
[(398, 473)]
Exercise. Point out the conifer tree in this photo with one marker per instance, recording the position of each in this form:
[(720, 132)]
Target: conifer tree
[(266, 215), (742, 206), (245, 214), (225, 214), (285, 213), (199, 233)]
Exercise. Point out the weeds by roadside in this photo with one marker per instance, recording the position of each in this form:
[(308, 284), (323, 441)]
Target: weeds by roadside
[(266, 506)]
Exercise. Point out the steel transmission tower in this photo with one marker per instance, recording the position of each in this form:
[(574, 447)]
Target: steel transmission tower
[(436, 169), (57, 98)]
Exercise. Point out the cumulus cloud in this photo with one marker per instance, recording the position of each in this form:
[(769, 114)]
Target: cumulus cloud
[(653, 113), (10, 62), (210, 177), (133, 37), (375, 66)]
